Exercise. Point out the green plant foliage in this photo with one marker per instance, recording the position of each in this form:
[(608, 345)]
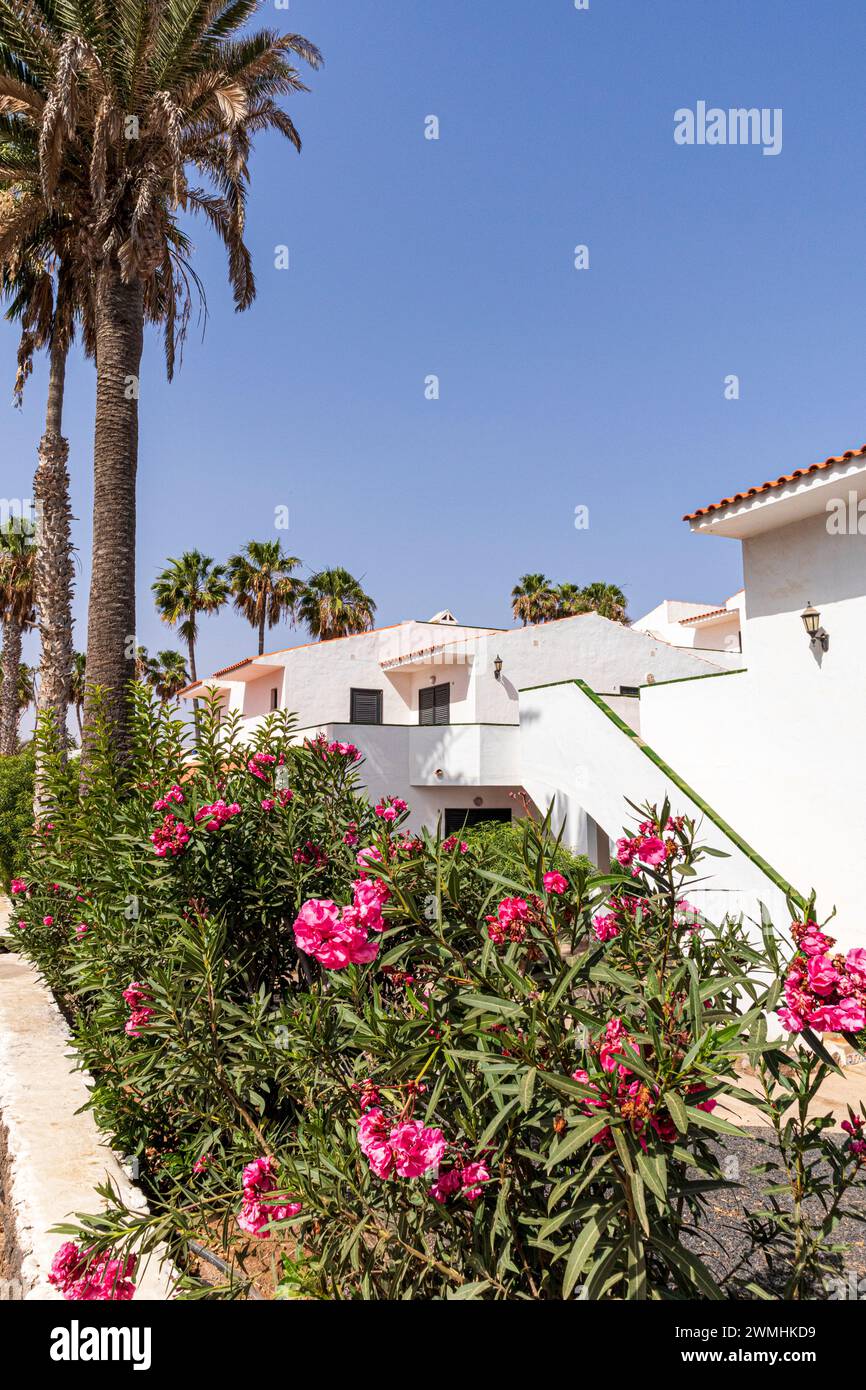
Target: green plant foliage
[(16, 811), (519, 1094)]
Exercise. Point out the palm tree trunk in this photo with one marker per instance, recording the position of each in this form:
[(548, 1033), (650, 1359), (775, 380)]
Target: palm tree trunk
[(9, 689), (54, 559), (111, 613), (262, 634), (190, 644)]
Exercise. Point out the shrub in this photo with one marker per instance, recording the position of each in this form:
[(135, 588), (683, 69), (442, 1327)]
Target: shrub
[(16, 811), (419, 1069)]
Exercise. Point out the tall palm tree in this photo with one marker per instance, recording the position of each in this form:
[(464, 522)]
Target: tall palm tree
[(607, 600), (333, 604), (533, 599), (128, 97), (165, 673), (76, 689), (17, 594), (570, 600), (189, 587), (263, 585)]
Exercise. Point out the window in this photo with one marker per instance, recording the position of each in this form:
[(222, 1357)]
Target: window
[(465, 818), (365, 707), (629, 690), (275, 697), (434, 704)]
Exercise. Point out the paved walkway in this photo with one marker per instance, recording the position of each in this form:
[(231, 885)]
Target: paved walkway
[(55, 1155)]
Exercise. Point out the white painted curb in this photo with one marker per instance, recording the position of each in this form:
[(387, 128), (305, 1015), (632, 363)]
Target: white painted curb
[(56, 1157)]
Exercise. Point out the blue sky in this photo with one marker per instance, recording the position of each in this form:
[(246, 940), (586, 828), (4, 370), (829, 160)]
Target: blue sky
[(559, 388)]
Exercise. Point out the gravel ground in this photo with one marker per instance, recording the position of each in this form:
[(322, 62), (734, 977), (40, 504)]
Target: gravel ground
[(726, 1245)]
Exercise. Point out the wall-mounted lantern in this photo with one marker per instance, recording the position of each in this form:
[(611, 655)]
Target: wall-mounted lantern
[(497, 668), (812, 623)]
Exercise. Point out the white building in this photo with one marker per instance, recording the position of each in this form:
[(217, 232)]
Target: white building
[(764, 745)]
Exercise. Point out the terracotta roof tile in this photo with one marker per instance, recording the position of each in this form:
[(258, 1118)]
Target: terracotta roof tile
[(776, 482), (711, 613)]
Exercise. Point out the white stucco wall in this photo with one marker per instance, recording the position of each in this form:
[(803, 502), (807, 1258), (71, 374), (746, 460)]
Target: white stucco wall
[(779, 750), (575, 756)]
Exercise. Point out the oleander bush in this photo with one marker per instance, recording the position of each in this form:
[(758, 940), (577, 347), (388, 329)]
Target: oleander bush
[(16, 811), (403, 1067)]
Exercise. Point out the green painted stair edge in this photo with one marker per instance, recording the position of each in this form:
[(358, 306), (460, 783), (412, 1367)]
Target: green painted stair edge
[(728, 830)]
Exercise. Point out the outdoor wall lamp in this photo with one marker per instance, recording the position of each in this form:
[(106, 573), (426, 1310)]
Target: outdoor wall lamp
[(497, 668), (812, 623)]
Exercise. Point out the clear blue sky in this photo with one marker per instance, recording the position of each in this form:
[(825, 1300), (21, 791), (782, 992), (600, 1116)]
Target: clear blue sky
[(558, 387)]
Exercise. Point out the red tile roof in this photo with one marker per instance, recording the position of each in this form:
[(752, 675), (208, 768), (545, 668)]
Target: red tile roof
[(776, 482), (711, 613)]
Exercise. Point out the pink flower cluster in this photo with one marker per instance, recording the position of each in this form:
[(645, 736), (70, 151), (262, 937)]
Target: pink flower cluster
[(82, 1277), (623, 911), (257, 1180), (555, 883), (449, 845), (174, 795), (259, 761), (216, 815), (390, 807), (324, 749), (17, 886), (339, 936), (139, 999), (509, 924), (823, 991), (172, 837), (631, 1098), (407, 1148), (463, 1182), (854, 1127), (648, 849)]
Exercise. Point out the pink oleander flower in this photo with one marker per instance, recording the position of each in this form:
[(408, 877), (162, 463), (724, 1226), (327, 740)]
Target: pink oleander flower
[(374, 1142), (369, 896), (448, 846), (614, 1044), (416, 1148), (446, 1185), (217, 815), (606, 926), (327, 933), (390, 807), (17, 886), (555, 883), (351, 836), (268, 804), (172, 837), (509, 923), (822, 975), (173, 795), (48, 921), (625, 851), (81, 930), (85, 1277), (258, 1179), (368, 856), (472, 1177), (139, 998), (652, 851), (855, 966)]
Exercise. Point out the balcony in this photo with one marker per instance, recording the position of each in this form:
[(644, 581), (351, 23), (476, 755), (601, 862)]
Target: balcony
[(464, 755)]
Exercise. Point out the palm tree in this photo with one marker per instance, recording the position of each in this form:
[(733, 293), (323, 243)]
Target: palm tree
[(570, 600), (189, 587), (533, 599), (333, 604), (166, 673), (121, 101), (263, 586), (76, 688), (17, 594), (607, 600)]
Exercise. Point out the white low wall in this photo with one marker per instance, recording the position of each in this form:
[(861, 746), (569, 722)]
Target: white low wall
[(576, 755), (56, 1156)]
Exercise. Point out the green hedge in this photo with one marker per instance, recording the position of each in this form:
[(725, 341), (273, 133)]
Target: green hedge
[(16, 812)]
